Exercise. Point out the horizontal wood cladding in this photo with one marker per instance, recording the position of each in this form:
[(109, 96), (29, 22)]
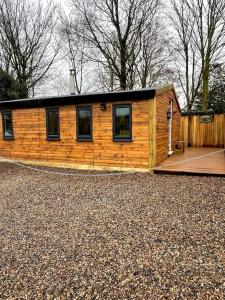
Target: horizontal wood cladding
[(162, 105), (30, 138)]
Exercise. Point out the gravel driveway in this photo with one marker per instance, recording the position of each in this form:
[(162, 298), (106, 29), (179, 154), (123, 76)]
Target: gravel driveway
[(134, 236)]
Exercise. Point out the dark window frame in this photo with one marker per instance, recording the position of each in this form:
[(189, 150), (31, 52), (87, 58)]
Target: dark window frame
[(83, 138), (3, 125), (55, 137), (122, 139)]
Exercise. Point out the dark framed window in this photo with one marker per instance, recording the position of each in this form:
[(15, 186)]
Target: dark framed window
[(7, 125), (84, 123), (52, 123), (122, 122)]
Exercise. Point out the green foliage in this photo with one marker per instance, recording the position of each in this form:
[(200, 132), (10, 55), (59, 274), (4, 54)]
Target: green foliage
[(216, 103), (217, 89), (8, 87)]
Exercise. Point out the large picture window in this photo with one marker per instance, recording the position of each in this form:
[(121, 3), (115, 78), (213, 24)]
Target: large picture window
[(7, 125), (52, 123), (122, 122), (84, 123)]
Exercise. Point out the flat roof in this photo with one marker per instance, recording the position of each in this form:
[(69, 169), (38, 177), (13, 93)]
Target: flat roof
[(141, 94)]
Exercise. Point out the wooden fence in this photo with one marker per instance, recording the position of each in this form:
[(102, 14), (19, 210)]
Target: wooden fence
[(197, 134)]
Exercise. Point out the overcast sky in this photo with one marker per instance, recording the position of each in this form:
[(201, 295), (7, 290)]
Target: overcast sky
[(59, 79)]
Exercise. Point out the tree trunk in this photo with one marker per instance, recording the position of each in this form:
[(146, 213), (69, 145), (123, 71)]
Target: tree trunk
[(111, 80), (23, 90), (187, 77), (123, 68), (205, 87), (144, 79), (123, 77)]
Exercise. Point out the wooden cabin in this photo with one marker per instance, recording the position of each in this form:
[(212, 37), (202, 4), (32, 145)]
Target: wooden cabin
[(125, 130)]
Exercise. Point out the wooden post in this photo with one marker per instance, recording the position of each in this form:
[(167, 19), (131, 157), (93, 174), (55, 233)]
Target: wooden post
[(152, 133)]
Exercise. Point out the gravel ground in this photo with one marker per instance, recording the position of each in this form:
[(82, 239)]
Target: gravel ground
[(134, 236)]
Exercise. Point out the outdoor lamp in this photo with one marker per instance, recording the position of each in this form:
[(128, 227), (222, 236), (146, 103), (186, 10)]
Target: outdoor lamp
[(103, 106), (169, 114)]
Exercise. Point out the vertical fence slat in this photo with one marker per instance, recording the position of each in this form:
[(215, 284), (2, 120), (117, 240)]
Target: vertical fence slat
[(198, 134)]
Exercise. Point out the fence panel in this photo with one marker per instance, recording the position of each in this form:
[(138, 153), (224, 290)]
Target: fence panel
[(197, 134)]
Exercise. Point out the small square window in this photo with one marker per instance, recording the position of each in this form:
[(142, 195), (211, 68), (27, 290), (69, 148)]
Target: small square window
[(7, 125), (122, 122), (84, 123), (52, 124)]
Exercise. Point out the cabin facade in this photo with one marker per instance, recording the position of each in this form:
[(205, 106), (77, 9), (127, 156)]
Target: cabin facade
[(128, 130)]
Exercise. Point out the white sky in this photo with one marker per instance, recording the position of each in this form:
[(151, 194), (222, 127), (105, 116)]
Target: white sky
[(59, 82)]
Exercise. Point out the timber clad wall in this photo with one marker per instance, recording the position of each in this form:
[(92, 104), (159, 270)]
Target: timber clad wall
[(196, 134), (162, 105), (30, 138)]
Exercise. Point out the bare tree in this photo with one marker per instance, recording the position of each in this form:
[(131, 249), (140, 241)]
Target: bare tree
[(200, 32), (116, 29), (106, 78), (26, 41), (152, 66), (186, 56), (74, 47), (209, 37)]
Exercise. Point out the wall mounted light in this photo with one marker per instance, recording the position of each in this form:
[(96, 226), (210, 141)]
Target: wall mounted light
[(169, 111), (169, 115), (103, 106)]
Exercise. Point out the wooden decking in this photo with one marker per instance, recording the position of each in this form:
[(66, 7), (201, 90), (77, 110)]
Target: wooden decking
[(195, 161)]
